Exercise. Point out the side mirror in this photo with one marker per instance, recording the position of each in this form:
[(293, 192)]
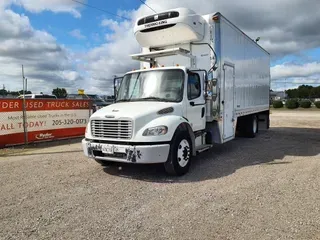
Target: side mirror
[(116, 85)]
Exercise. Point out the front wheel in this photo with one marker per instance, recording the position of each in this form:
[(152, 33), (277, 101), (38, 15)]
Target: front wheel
[(179, 158)]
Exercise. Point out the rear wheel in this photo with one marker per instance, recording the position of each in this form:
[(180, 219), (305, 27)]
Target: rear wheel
[(252, 126), (179, 158), (248, 126)]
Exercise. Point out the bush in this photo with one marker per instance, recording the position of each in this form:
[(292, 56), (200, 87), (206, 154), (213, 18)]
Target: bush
[(292, 104), (317, 103), (305, 104), (277, 104)]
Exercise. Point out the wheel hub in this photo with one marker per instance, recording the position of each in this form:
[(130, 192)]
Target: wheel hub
[(183, 153), (255, 125)]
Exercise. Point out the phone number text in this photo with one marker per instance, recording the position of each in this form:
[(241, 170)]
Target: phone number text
[(69, 122)]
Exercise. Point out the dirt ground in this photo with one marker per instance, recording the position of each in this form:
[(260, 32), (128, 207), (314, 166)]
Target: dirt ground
[(262, 188)]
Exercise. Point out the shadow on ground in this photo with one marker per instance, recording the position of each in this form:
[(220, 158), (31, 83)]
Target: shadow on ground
[(223, 160)]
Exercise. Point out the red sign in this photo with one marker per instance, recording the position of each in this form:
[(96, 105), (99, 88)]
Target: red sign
[(45, 119)]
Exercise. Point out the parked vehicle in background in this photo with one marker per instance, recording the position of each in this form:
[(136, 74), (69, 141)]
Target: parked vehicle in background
[(97, 101), (201, 79), (38, 96)]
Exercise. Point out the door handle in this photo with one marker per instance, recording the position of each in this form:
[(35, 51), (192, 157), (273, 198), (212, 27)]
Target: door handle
[(200, 104)]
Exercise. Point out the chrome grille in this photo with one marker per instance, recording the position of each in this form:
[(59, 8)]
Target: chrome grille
[(117, 129)]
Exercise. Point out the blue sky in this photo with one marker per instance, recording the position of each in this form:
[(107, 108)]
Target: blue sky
[(89, 23), (65, 44)]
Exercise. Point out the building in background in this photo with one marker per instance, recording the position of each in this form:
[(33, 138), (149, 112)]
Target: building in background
[(277, 95)]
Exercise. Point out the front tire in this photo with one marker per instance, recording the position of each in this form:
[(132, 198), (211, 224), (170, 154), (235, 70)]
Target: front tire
[(179, 158)]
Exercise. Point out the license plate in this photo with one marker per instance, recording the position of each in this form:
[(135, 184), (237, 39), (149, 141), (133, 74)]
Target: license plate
[(108, 149)]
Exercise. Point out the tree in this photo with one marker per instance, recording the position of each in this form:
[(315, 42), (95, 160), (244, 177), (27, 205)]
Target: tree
[(21, 92), (292, 93), (3, 92), (60, 92), (304, 91), (315, 92)]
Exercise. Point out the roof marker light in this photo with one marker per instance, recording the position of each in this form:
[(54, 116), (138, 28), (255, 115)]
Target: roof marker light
[(215, 18)]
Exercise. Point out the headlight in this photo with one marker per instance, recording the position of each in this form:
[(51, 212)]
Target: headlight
[(155, 131)]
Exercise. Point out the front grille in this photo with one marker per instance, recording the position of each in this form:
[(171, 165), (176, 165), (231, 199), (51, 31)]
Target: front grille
[(115, 129)]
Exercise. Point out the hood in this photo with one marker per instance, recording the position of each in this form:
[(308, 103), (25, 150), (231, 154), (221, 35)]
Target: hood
[(132, 110)]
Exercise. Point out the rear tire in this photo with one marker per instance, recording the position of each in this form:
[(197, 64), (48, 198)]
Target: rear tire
[(179, 158), (248, 126), (252, 126)]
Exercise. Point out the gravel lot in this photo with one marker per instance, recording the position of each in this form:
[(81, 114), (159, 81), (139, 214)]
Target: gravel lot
[(263, 188)]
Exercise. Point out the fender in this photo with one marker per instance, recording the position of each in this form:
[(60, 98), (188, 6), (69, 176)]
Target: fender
[(185, 127), (174, 124)]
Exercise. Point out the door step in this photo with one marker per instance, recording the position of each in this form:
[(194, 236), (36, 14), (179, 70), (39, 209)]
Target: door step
[(203, 148)]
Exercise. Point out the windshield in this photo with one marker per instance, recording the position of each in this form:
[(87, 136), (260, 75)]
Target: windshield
[(157, 85)]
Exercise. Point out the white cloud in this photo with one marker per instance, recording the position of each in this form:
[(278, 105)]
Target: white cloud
[(56, 6), (285, 27), (280, 33), (294, 70), (113, 25), (76, 33), (71, 75), (45, 61)]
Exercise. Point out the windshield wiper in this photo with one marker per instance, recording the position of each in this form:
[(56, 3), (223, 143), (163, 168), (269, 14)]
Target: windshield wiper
[(153, 98), (123, 100)]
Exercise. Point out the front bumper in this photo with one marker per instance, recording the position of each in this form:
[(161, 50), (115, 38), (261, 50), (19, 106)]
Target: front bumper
[(126, 153)]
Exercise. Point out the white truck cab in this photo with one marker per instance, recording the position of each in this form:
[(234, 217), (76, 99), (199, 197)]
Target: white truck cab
[(201, 80)]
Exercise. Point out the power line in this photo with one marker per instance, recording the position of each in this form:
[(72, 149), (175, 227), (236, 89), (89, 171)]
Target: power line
[(147, 6), (296, 82), (102, 10)]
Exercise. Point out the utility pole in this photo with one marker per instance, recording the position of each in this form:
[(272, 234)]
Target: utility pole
[(24, 109)]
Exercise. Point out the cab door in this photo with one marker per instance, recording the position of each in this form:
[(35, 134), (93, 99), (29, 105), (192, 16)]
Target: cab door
[(196, 112)]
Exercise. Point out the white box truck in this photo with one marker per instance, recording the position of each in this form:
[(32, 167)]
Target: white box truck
[(201, 81)]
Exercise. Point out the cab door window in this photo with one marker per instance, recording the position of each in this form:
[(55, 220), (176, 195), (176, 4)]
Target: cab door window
[(194, 86)]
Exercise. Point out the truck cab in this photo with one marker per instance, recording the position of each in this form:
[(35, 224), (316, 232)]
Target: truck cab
[(155, 111)]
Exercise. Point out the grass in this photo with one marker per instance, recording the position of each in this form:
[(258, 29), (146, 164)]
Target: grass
[(297, 109)]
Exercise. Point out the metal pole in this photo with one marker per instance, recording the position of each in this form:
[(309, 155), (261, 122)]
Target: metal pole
[(24, 109)]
